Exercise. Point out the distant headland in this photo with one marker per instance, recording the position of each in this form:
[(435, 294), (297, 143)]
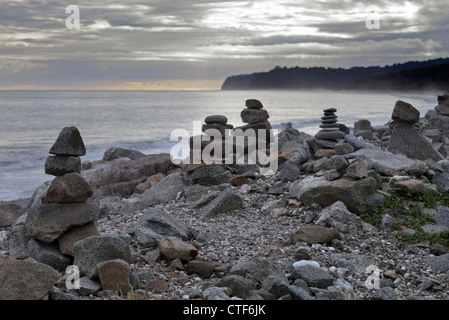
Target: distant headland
[(413, 75)]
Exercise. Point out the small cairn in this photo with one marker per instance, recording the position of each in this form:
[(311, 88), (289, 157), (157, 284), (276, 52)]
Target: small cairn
[(63, 214), (256, 118), (213, 173), (330, 127)]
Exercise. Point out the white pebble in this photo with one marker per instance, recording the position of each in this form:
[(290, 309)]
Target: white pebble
[(302, 263)]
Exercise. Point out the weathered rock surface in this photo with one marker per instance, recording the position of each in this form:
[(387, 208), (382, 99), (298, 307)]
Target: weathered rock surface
[(340, 218), (69, 143), (68, 188), (121, 176), (224, 202), (156, 224), (25, 279), (407, 140), (314, 234), (68, 239), (116, 152), (47, 222), (173, 248), (9, 213), (93, 250), (357, 195), (60, 165), (115, 275)]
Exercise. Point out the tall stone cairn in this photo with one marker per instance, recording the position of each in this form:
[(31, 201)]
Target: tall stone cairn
[(64, 214)]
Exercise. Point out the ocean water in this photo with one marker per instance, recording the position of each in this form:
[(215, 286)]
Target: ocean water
[(30, 121)]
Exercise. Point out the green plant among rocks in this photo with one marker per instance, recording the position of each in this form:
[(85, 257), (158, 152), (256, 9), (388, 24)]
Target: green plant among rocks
[(408, 210)]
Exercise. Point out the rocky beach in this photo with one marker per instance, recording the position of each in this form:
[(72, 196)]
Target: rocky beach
[(352, 213)]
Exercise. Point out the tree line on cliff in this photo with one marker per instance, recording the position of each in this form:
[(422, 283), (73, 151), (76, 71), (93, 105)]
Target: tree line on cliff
[(412, 75)]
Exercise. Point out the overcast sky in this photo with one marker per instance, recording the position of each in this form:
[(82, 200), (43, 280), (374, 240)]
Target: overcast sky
[(196, 44)]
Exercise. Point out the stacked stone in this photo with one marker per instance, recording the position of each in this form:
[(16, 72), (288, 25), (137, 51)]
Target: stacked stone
[(443, 104), (330, 127), (62, 216), (256, 118), (215, 173), (213, 122)]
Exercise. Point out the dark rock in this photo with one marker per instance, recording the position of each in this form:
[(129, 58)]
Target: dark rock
[(407, 140), (254, 115), (405, 112), (200, 267), (69, 143), (216, 118), (253, 104), (116, 152), (48, 253), (92, 250), (225, 202), (315, 277), (60, 165), (68, 188), (314, 234), (47, 222)]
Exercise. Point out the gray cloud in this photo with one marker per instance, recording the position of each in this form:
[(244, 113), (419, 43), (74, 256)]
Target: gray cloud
[(138, 40)]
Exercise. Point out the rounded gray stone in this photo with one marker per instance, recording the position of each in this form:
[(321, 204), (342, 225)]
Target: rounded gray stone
[(216, 118)]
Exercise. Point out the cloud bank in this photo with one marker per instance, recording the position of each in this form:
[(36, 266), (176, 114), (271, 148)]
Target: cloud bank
[(195, 44)]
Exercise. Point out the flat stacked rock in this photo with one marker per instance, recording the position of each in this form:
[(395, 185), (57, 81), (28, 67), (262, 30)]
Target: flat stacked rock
[(63, 215)]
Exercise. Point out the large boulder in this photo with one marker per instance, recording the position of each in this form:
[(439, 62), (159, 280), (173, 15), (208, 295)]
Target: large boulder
[(46, 222), (407, 140), (95, 249), (121, 176), (358, 195), (25, 279)]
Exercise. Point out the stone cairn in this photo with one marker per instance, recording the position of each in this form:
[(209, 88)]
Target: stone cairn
[(330, 133), (256, 118), (215, 173), (62, 215)]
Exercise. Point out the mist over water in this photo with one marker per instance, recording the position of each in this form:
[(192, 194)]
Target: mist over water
[(31, 121)]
